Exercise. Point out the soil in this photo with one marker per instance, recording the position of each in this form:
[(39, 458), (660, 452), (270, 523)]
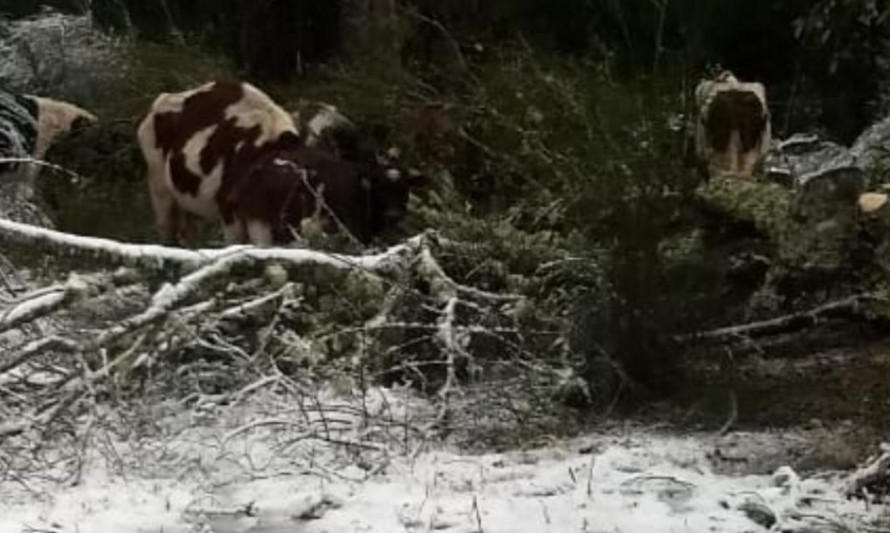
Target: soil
[(827, 392)]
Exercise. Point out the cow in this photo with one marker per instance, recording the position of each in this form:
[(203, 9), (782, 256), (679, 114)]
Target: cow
[(286, 189), (732, 128), (325, 127), (225, 151), (28, 126), (55, 118)]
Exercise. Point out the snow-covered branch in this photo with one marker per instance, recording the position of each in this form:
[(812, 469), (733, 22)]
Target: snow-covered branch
[(159, 257), (244, 304)]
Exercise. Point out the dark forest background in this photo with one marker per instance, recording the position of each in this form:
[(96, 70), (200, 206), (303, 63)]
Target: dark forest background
[(824, 61)]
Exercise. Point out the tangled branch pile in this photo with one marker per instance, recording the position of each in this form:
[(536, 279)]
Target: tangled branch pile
[(138, 321)]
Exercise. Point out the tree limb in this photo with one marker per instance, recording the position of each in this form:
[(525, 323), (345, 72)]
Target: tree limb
[(854, 307), (156, 257)]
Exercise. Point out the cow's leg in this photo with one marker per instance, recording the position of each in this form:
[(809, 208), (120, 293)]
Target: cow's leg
[(750, 160), (734, 152), (234, 232), (168, 215), (188, 228), (259, 233)]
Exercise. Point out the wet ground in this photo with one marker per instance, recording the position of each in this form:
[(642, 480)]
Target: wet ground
[(834, 395)]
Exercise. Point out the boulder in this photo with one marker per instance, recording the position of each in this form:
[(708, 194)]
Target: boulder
[(804, 158), (870, 147)]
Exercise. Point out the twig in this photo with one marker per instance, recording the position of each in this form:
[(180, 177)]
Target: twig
[(847, 308), (38, 347), (451, 347), (477, 515), (32, 309)]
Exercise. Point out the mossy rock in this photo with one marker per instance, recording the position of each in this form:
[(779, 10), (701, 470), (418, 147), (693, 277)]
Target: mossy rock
[(810, 229), (766, 206)]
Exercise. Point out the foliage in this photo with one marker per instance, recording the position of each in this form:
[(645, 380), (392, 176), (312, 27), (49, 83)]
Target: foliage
[(581, 153), (844, 55)]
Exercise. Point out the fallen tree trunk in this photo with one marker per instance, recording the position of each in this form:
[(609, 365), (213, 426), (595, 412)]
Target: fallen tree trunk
[(156, 257), (764, 206)]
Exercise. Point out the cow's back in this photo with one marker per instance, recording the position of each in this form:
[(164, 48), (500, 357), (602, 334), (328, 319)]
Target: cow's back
[(204, 140)]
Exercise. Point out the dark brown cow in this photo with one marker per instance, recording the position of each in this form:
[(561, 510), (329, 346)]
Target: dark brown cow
[(363, 200), (226, 151)]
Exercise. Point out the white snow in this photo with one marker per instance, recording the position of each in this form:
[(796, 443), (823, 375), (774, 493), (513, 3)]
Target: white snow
[(267, 467)]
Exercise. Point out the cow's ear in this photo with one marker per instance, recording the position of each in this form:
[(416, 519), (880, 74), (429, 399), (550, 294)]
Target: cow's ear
[(81, 123)]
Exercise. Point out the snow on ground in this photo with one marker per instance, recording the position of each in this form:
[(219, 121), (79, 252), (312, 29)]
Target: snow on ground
[(267, 467)]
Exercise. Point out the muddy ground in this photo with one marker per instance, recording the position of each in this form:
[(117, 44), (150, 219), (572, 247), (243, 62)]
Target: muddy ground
[(827, 392)]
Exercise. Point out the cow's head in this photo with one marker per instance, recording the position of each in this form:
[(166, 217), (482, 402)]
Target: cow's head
[(389, 184), (56, 118)]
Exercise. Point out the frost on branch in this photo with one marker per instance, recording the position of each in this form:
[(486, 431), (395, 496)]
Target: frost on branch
[(872, 480), (112, 318)]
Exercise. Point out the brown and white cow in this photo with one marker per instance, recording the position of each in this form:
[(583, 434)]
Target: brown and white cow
[(29, 125), (226, 151), (56, 118), (732, 129)]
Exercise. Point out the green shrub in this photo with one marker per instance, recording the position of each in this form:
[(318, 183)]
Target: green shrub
[(578, 153)]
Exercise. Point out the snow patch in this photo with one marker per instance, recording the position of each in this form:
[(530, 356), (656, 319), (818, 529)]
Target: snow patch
[(260, 467)]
